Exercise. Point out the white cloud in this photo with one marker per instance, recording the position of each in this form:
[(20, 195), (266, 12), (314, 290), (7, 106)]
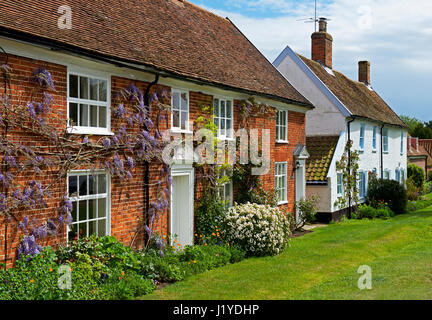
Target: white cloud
[(395, 35)]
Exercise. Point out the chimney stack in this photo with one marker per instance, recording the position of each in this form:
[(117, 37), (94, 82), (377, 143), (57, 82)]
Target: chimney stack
[(364, 72), (322, 45)]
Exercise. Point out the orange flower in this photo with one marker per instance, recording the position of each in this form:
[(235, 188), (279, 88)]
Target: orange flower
[(201, 235), (173, 247), (50, 269), (70, 269), (123, 273), (121, 278), (31, 280), (179, 244), (213, 234), (228, 244), (42, 256)]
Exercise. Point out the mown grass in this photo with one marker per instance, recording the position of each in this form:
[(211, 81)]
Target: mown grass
[(324, 264)]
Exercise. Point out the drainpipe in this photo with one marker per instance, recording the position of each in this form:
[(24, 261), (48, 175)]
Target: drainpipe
[(147, 165), (349, 165), (381, 152)]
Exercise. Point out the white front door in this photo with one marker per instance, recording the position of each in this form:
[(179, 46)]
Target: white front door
[(181, 221), (300, 182)]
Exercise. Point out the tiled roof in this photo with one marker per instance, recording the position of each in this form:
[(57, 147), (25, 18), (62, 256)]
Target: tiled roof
[(356, 96), (173, 36), (426, 144), (321, 150)]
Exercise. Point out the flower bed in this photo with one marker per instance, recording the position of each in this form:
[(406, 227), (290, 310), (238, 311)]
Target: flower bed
[(103, 268)]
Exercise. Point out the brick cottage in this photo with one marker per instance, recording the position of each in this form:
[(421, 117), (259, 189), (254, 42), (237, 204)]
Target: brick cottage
[(196, 56)]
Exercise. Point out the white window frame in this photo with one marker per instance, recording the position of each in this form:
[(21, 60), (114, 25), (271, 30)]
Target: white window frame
[(398, 175), (187, 126), (88, 129), (107, 196), (277, 187), (362, 136), (231, 131), (280, 139), (339, 184), (385, 140), (374, 139)]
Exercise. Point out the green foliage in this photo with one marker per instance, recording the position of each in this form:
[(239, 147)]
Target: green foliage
[(249, 187), (418, 128), (430, 176), (413, 192), (307, 209), (422, 203), (369, 212), (388, 192), (210, 213), (103, 268), (417, 174), (348, 166)]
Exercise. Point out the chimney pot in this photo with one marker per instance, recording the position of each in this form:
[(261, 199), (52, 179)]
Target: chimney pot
[(364, 72), (322, 45)]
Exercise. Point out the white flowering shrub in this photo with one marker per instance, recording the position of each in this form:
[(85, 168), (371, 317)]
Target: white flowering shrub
[(260, 229)]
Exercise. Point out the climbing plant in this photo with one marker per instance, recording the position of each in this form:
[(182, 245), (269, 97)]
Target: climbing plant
[(348, 167)]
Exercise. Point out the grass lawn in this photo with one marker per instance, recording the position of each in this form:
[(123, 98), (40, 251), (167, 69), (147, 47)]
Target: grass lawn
[(324, 264)]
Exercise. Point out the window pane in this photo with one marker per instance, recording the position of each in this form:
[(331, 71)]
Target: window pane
[(94, 89), (93, 116), (222, 109), (102, 228), (82, 185), (184, 118), (84, 88), (102, 208), (82, 210), (184, 102), (176, 101), (74, 212), (216, 121), (229, 127), (102, 185), (73, 180), (92, 228), (102, 90), (83, 115), (102, 117), (83, 230), (73, 86), (176, 119), (73, 114), (228, 109), (216, 107), (92, 209), (92, 184)]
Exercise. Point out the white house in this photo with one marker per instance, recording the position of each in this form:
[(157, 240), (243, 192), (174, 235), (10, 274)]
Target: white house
[(345, 110)]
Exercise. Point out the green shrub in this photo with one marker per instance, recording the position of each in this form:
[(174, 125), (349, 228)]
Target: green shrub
[(165, 268), (430, 176), (417, 174), (387, 191), (210, 213), (365, 211), (307, 209), (126, 286), (259, 229), (413, 192), (237, 253)]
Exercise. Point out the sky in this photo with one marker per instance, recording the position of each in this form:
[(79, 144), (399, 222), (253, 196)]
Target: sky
[(394, 35)]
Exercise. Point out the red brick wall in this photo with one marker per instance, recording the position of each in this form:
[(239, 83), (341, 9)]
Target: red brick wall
[(127, 197)]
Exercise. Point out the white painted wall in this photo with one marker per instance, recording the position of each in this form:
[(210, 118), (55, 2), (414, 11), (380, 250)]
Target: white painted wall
[(325, 119), (369, 159)]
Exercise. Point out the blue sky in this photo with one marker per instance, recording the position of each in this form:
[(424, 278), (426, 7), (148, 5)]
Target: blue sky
[(395, 35)]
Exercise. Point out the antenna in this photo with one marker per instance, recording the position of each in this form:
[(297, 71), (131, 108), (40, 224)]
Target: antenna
[(312, 20)]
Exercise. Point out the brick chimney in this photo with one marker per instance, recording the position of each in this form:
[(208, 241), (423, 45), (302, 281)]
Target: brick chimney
[(364, 72), (322, 45)]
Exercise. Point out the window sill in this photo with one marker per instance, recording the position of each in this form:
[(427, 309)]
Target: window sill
[(181, 131), (282, 141), (374, 151), (225, 139), (361, 151), (89, 131), (385, 152), (282, 203)]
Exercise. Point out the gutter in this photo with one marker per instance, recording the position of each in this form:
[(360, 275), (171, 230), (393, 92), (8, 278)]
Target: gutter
[(138, 66)]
